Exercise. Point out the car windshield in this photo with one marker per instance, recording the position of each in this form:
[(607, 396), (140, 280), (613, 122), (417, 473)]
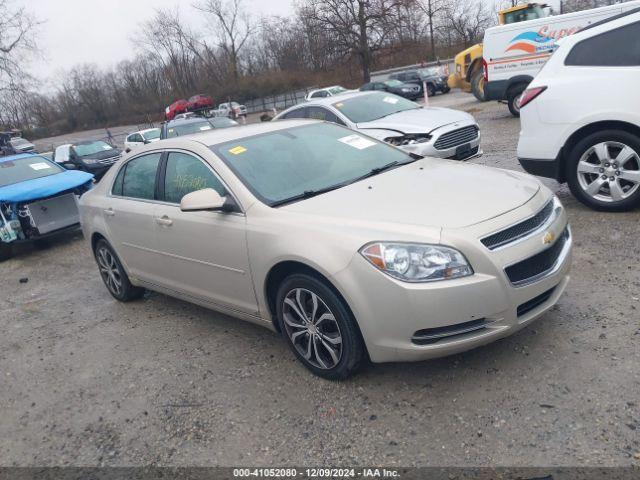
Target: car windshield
[(223, 122), (366, 108), (23, 169), (188, 128), (336, 90), (18, 141), (393, 83), (301, 161), (428, 72), (151, 134), (91, 148)]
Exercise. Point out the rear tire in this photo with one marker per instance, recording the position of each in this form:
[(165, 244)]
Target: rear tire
[(319, 327), (113, 274), (6, 251), (513, 98), (477, 85), (597, 156)]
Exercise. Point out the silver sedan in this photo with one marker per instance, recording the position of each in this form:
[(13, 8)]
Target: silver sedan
[(425, 131), (349, 247)]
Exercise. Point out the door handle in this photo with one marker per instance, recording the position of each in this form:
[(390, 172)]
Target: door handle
[(164, 220), (109, 212)]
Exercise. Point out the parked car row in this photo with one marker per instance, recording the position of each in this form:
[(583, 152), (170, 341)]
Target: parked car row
[(204, 104)]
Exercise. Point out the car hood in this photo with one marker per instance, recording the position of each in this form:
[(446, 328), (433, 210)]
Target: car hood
[(428, 192), (101, 155), (420, 120), (44, 186)]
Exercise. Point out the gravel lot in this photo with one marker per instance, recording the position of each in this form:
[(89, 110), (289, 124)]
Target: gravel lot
[(86, 380)]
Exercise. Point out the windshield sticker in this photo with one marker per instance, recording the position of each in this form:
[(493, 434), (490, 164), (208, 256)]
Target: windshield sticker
[(237, 150), (205, 127), (40, 166), (390, 100), (356, 141), (339, 105)]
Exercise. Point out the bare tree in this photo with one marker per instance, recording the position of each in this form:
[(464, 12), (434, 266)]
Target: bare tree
[(233, 28), (468, 20), (358, 27), (432, 10), (17, 41)]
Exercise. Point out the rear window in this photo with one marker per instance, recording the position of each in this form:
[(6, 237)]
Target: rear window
[(616, 48), (23, 169)]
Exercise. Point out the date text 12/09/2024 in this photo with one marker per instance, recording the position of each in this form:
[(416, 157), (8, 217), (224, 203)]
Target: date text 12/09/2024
[(315, 473)]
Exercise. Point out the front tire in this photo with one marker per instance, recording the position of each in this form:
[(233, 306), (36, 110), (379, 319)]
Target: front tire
[(319, 327), (113, 274), (603, 171)]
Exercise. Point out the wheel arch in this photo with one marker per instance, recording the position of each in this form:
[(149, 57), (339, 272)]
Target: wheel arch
[(587, 130), (282, 270), (518, 80)]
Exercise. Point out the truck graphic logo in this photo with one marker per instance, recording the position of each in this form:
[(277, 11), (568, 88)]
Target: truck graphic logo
[(540, 41)]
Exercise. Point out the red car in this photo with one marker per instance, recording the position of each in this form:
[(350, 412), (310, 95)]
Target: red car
[(179, 106), (200, 101)]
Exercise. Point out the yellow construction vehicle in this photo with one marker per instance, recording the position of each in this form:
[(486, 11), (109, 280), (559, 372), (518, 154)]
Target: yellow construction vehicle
[(468, 63)]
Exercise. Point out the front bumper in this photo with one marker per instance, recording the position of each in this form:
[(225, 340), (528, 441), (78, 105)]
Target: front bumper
[(390, 313), (462, 151)]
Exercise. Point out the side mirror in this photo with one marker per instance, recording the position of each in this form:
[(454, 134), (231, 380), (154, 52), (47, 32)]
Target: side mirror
[(205, 199)]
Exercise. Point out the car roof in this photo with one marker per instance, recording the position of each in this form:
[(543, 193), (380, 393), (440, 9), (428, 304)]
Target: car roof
[(186, 121), (10, 158), (223, 135), (331, 100), (87, 142)]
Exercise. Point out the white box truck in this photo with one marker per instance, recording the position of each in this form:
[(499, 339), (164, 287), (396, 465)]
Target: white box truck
[(514, 53)]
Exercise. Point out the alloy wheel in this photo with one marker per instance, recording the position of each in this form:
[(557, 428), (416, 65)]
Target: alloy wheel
[(109, 270), (609, 171), (312, 328)]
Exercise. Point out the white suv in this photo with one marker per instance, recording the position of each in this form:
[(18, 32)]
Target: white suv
[(580, 116)]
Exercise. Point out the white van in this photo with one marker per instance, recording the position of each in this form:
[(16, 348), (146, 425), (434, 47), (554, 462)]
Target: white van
[(514, 53)]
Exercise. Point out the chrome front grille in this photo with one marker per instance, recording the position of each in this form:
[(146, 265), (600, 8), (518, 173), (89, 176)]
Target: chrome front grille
[(521, 229), (456, 138), (540, 265), (109, 161)]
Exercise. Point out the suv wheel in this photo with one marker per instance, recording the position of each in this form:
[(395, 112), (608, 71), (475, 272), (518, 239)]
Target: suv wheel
[(477, 85), (513, 98), (319, 328), (113, 274), (603, 171)]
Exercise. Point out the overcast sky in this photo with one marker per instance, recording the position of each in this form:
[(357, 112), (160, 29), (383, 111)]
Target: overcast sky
[(99, 31)]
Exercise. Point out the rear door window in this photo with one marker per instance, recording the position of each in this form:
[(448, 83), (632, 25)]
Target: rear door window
[(139, 177), (319, 113), (616, 48), (185, 174)]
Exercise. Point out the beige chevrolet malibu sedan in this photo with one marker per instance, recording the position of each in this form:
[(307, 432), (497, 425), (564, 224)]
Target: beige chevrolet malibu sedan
[(351, 248)]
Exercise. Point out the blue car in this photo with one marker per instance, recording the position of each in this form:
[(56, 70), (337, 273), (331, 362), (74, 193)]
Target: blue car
[(38, 198)]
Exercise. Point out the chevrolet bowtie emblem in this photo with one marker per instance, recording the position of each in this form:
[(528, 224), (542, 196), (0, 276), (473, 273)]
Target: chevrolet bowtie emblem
[(548, 238)]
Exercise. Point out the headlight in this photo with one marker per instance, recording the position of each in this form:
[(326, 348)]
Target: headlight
[(408, 139), (414, 262), (405, 89)]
